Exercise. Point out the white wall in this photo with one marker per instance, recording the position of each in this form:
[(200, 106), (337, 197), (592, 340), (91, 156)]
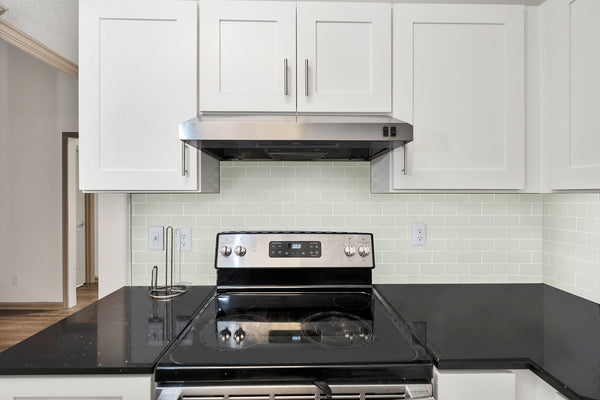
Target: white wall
[(112, 242), (37, 104)]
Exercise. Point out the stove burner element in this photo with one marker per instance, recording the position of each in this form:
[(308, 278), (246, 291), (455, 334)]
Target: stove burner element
[(338, 330)]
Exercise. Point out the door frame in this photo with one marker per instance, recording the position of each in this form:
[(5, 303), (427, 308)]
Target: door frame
[(90, 228), (90, 238)]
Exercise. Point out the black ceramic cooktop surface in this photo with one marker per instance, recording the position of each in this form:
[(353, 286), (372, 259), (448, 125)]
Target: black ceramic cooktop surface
[(124, 332), (554, 333), (313, 335)]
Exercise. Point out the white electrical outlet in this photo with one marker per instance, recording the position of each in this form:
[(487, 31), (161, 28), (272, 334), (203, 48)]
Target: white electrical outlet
[(419, 234), (156, 241), (185, 237)]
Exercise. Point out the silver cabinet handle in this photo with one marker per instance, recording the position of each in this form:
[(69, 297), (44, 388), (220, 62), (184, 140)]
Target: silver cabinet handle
[(285, 76), (183, 170), (404, 167), (306, 77)]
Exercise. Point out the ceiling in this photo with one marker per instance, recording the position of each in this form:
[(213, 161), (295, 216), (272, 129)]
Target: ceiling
[(53, 23)]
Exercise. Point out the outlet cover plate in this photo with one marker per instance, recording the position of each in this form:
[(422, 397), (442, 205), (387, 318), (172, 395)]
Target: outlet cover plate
[(185, 237), (419, 234)]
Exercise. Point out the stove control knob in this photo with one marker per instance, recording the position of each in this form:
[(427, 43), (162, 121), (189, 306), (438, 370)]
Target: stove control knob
[(225, 250), (239, 335), (349, 250), (240, 251), (364, 250), (224, 335)]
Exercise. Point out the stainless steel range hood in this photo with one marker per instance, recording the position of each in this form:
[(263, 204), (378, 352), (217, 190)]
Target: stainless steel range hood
[(295, 137)]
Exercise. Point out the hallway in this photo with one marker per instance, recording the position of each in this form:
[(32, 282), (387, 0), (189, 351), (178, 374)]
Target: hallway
[(16, 326)]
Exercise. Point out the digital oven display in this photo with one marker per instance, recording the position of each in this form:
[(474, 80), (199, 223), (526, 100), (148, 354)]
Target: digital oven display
[(299, 249), (294, 336)]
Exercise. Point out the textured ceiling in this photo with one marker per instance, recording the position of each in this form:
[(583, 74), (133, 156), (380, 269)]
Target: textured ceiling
[(51, 22)]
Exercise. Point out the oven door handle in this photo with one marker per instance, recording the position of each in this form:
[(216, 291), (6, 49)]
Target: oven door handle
[(324, 387)]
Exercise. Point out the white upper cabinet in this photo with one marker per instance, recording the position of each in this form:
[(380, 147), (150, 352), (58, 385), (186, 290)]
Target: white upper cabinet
[(138, 81), (344, 57), (459, 79), (247, 56), (570, 88)]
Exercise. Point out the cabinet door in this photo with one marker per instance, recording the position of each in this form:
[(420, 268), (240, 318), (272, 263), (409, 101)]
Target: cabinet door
[(570, 87), (459, 79), (77, 387), (344, 57), (474, 385), (138, 81), (247, 56)]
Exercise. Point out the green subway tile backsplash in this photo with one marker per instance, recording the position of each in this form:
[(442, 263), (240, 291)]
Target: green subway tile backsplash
[(472, 238)]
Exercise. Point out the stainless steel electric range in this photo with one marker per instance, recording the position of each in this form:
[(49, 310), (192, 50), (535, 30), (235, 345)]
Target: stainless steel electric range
[(295, 316)]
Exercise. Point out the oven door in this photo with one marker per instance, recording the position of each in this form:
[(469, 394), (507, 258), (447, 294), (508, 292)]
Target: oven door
[(317, 391)]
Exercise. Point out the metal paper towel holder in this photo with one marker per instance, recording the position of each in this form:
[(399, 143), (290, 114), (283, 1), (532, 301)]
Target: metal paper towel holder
[(169, 290)]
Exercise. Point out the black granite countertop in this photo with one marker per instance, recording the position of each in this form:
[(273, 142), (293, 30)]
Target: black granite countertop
[(535, 326), (554, 333), (124, 332)]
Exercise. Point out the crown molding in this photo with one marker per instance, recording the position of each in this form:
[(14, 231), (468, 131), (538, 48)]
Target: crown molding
[(28, 44), (3, 9)]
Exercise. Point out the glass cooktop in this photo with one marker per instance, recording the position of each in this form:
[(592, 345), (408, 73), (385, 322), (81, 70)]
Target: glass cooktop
[(246, 333)]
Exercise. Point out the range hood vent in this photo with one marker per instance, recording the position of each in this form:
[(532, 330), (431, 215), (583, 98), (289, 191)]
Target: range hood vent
[(295, 137)]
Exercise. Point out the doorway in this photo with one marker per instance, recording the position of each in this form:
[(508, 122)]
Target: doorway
[(79, 228)]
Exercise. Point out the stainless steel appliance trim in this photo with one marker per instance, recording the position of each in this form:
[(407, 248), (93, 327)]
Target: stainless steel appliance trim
[(251, 392), (257, 250), (234, 129), (285, 77), (298, 287)]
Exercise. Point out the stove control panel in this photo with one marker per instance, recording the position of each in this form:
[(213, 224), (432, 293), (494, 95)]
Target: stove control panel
[(294, 250)]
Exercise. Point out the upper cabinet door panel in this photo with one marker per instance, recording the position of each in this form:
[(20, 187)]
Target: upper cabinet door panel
[(137, 83), (571, 83), (459, 79), (247, 56), (344, 50)]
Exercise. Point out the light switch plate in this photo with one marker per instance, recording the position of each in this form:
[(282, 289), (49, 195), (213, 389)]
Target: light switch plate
[(156, 241)]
